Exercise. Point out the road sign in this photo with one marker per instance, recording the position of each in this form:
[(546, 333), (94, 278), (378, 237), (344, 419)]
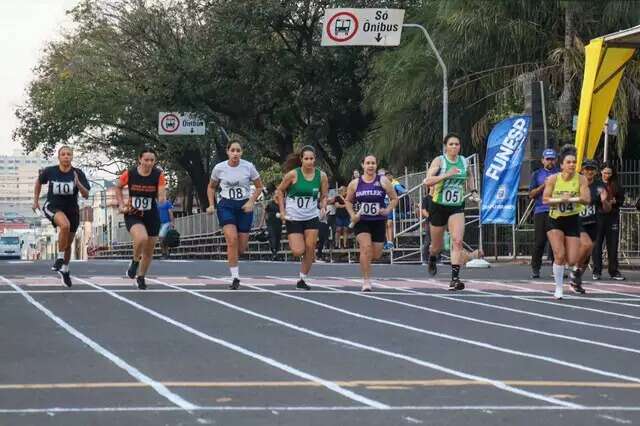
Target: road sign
[(362, 27), (176, 123)]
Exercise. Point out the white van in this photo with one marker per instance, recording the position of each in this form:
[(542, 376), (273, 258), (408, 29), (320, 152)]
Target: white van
[(10, 246)]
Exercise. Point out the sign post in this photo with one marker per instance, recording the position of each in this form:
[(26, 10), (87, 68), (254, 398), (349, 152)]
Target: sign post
[(377, 27), (176, 123)]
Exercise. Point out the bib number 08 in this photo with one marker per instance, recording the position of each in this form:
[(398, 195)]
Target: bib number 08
[(236, 194), (141, 203)]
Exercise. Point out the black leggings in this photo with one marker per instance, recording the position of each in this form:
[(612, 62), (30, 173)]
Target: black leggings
[(541, 225), (609, 233), (275, 233)]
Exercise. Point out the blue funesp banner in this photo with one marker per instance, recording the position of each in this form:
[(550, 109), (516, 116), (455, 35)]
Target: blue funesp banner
[(505, 150)]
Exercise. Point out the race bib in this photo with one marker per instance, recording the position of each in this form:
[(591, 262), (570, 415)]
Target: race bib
[(141, 203), (565, 207), (369, 209), (305, 202), (589, 210), (452, 195), (63, 188), (236, 193)]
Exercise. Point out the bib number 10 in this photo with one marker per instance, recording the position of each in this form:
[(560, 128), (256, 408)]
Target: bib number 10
[(141, 203), (63, 188), (452, 196)]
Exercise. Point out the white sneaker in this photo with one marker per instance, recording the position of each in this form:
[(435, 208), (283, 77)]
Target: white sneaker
[(558, 294)]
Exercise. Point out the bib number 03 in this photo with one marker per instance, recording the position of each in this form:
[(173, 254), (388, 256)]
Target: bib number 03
[(141, 203)]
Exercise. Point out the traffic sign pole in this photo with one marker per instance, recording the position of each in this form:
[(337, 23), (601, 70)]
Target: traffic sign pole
[(445, 87)]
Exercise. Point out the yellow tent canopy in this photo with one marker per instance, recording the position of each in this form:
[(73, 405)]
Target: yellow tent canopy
[(605, 59)]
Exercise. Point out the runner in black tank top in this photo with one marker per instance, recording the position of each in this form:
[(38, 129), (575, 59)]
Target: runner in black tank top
[(61, 208), (146, 185)]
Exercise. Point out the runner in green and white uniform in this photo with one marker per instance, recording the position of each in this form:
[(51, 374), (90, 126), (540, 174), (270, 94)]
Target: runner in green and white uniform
[(302, 190), (448, 176)]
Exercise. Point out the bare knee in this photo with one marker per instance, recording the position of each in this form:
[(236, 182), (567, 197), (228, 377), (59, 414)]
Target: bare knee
[(64, 227), (297, 251), (559, 258), (456, 243)]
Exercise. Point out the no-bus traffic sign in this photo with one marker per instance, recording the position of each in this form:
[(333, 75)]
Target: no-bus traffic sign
[(362, 27), (176, 123)]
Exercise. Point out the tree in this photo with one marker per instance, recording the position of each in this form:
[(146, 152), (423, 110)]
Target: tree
[(491, 48)]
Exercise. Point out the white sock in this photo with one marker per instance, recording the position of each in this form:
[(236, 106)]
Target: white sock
[(235, 272), (65, 268), (60, 255), (303, 276), (558, 276)]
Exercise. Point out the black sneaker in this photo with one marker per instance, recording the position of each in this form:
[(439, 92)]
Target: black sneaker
[(133, 269), (66, 278), (432, 268), (302, 285), (535, 274), (140, 283), (57, 265), (596, 277), (456, 284), (576, 277), (235, 284), (618, 277), (577, 288)]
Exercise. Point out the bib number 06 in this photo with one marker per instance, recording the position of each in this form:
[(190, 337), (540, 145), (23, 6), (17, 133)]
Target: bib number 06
[(369, 209)]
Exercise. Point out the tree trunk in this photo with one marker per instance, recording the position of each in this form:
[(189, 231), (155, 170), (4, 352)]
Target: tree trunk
[(564, 103), (191, 161)]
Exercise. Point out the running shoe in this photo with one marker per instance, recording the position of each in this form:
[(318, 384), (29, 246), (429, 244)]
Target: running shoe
[(456, 284), (577, 288), (618, 277), (366, 287), (133, 269), (235, 284), (388, 245), (558, 294), (302, 285), (596, 277), (66, 278), (535, 274), (57, 265), (140, 283), (432, 268), (576, 277)]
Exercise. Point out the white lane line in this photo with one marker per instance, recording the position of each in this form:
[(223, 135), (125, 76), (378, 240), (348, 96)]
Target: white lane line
[(542, 301), (594, 288), (131, 370), (519, 311), (270, 361), (496, 383), (511, 286), (463, 340), (60, 410), (497, 324)]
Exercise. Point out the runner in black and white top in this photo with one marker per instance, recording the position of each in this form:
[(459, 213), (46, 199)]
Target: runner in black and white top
[(146, 184), (61, 207), (235, 204)]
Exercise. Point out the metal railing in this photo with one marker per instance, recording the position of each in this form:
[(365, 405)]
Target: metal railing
[(629, 235)]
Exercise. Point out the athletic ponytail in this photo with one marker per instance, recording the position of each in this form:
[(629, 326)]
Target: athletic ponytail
[(294, 159)]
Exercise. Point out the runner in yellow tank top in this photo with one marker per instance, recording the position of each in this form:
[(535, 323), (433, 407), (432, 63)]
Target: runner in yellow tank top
[(566, 193)]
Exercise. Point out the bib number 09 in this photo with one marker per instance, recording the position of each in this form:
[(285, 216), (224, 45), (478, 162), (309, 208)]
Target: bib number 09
[(141, 203)]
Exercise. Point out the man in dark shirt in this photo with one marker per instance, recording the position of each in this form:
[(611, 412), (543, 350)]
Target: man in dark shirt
[(61, 207), (541, 210)]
